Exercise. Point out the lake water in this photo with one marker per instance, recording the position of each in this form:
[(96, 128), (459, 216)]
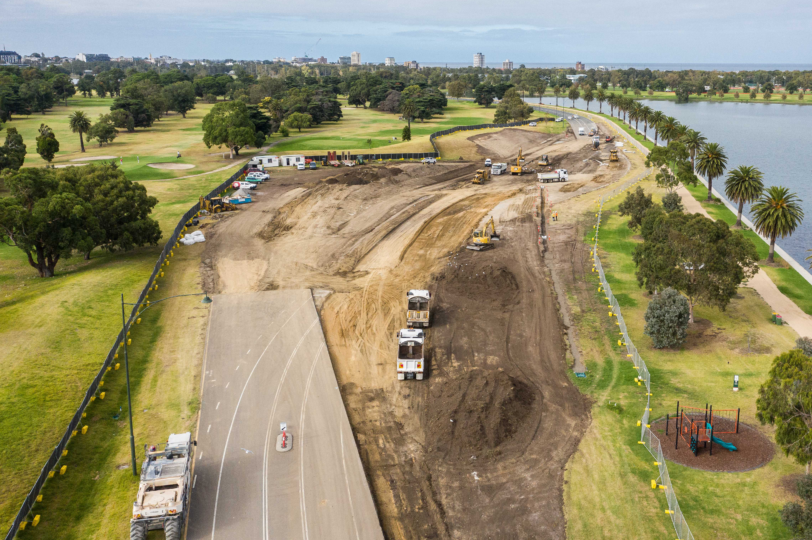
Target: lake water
[(773, 137), (640, 66)]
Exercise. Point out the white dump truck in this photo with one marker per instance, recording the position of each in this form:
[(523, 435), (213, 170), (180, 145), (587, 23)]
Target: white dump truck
[(558, 175), (163, 493), (498, 168), (410, 354), (418, 314)]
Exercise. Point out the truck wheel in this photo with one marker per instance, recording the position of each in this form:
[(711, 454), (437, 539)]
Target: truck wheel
[(138, 531), (172, 529)]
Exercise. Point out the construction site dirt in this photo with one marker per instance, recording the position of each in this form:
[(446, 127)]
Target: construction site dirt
[(478, 449)]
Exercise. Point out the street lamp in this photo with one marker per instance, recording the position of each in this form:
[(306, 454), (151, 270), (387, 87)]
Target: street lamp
[(206, 300)]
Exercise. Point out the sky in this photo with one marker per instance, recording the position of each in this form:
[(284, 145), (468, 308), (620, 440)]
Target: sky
[(529, 31)]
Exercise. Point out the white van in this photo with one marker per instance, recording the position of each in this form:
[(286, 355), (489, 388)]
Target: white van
[(581, 131)]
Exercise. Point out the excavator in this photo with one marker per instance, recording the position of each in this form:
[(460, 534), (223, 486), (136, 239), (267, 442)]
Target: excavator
[(612, 155), (483, 238), (518, 169), (482, 176), (215, 205)]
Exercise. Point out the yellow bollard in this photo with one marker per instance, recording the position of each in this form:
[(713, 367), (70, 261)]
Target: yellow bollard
[(129, 342), (101, 383), (657, 463), (138, 320), (653, 484), (84, 415), (115, 356), (101, 396), (171, 253), (108, 368), (92, 399), (84, 430), (63, 470), (22, 525), (51, 474), (156, 286), (167, 263), (162, 274), (36, 521), (669, 511), (39, 498), (118, 365), (64, 453)]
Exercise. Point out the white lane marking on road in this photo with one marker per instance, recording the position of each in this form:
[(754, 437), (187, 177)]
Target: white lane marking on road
[(249, 350), (218, 406), (200, 456), (238, 367), (302, 501), (194, 483), (227, 384), (268, 432), (209, 429), (347, 482), (234, 418)]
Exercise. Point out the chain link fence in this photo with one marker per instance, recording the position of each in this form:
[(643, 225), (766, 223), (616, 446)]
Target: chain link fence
[(53, 461), (647, 437)]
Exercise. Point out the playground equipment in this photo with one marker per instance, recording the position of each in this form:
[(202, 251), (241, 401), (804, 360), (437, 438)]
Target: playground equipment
[(695, 425)]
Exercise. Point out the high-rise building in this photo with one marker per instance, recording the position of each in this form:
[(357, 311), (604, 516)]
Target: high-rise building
[(322, 60), (412, 65), (579, 66), (356, 59), (390, 61), (507, 65), (479, 60), (344, 60)]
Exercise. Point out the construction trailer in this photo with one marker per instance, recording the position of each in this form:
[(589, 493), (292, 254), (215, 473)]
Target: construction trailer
[(265, 161), (418, 312), (291, 160), (411, 363)]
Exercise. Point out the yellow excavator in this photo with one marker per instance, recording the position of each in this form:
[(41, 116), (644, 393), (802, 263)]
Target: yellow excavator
[(483, 238), (613, 155), (215, 205), (481, 176), (518, 169)]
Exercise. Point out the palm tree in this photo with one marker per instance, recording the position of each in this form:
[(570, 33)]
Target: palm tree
[(635, 113), (679, 131), (408, 109), (777, 213), (612, 101), (743, 185), (711, 163), (693, 141), (667, 127), (655, 119), (600, 95), (79, 123), (645, 116)]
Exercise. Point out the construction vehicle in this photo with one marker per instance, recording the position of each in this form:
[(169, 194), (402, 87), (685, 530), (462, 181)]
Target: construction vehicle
[(596, 142), (558, 175), (481, 176), (518, 168), (613, 155), (410, 354), (609, 138), (498, 168), (215, 205), (484, 238), (163, 493), (418, 313), (545, 161)]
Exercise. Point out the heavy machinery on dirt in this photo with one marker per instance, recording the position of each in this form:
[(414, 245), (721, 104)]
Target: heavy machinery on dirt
[(484, 238), (558, 175), (410, 354), (596, 142), (518, 168), (481, 176), (163, 494), (544, 161), (418, 312), (215, 205), (613, 155), (498, 168)]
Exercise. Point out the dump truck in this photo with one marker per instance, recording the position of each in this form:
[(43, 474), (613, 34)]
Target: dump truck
[(545, 161), (163, 492), (481, 176), (483, 238), (558, 175), (410, 354), (418, 313), (613, 155), (498, 168)]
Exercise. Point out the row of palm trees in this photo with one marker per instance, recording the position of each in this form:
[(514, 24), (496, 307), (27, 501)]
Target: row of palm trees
[(777, 212)]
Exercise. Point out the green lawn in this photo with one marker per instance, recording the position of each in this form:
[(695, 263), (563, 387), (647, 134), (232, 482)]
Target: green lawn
[(609, 460)]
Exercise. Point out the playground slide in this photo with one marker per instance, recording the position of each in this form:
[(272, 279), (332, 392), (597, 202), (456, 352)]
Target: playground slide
[(723, 444)]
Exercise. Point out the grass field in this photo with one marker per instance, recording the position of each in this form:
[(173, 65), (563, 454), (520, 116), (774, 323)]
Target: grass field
[(607, 493), (55, 334), (157, 144)]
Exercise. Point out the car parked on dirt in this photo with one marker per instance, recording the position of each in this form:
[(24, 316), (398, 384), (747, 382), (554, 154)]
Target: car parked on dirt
[(429, 160), (300, 167), (257, 177), (244, 185), (533, 124)]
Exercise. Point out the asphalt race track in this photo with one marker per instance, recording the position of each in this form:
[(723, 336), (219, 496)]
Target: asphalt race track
[(266, 363)]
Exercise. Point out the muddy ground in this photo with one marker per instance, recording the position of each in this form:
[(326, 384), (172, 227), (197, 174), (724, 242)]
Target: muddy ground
[(479, 448)]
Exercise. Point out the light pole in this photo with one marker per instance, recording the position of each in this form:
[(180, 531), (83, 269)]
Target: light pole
[(206, 300)]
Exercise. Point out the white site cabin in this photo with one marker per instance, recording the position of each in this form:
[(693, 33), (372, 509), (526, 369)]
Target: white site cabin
[(291, 161), (265, 161)]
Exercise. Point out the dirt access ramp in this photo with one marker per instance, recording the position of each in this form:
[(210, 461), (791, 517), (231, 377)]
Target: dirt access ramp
[(496, 354)]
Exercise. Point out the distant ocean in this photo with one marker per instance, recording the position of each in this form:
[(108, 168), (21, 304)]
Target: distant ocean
[(652, 66)]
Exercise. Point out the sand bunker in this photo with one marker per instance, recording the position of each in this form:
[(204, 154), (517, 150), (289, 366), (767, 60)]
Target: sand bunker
[(171, 166), (95, 158)]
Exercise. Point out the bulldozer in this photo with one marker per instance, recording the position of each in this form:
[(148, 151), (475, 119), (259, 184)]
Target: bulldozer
[(518, 168), (484, 238), (545, 161), (612, 155), (215, 205), (481, 176)]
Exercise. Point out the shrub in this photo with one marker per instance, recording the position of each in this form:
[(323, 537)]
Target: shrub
[(672, 202), (736, 95), (210, 98), (406, 135), (805, 345), (284, 131), (667, 319)]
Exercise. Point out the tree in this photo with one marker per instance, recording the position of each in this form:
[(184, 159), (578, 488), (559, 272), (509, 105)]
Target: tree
[(804, 344), (601, 96), (753, 94), (798, 516), (711, 163), (645, 115), (79, 123), (63, 87), (667, 128), (46, 222), (655, 119), (47, 145), (589, 96), (484, 94), (667, 318), (777, 213), (406, 135), (12, 153), (512, 107), (703, 259), (743, 185), (180, 97), (299, 121), (556, 93), (785, 401), (693, 141), (38, 94), (408, 108), (86, 85), (229, 124), (104, 130), (141, 114), (456, 89), (635, 206), (672, 202), (573, 94)]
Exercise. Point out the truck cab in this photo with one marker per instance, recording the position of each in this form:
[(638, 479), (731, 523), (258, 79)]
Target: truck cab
[(418, 314), (410, 354)]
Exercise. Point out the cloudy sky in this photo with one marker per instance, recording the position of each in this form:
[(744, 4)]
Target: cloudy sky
[(621, 31)]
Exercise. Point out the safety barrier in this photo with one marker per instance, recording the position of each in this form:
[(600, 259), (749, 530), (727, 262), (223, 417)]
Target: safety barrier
[(90, 396), (647, 437)]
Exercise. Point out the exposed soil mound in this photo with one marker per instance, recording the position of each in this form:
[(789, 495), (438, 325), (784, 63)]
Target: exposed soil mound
[(484, 283), (505, 144), (475, 413), (357, 176)]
